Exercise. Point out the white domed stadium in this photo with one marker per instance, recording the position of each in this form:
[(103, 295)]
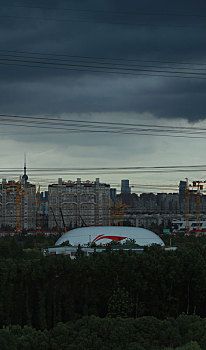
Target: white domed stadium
[(102, 235)]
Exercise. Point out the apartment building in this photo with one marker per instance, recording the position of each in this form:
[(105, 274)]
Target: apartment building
[(78, 203), (17, 204)]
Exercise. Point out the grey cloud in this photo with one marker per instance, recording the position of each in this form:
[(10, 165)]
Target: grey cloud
[(35, 90), (96, 93)]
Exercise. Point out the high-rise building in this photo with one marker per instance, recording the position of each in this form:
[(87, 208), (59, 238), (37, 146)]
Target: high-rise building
[(182, 188), (113, 195), (18, 204), (125, 187), (78, 203), (44, 210)]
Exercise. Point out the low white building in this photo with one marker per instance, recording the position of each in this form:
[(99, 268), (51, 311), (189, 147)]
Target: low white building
[(180, 225), (102, 235), (71, 251)]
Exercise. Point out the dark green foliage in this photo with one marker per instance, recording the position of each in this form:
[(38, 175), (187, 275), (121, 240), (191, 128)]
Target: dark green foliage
[(182, 240), (12, 247), (79, 253), (162, 292), (91, 333), (41, 291), (7, 340), (119, 304)]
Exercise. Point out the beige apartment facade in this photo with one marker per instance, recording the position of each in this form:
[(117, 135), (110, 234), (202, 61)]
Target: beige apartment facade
[(17, 205), (78, 203)]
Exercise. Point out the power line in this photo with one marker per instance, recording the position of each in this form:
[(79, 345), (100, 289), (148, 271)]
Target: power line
[(112, 168), (87, 126), (100, 122), (156, 186), (86, 67), (117, 128), (96, 70), (104, 68), (102, 58), (102, 71), (99, 63), (73, 131), (200, 167)]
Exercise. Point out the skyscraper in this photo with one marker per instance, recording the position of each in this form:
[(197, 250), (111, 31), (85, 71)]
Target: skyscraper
[(125, 187), (182, 187)]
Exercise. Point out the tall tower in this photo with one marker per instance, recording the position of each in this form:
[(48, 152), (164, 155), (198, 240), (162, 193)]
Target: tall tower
[(182, 188), (25, 176), (125, 189)]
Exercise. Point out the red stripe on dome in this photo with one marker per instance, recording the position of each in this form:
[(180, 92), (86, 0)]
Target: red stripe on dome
[(113, 238), (94, 240)]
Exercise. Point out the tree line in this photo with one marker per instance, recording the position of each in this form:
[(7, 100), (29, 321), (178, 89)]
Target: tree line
[(113, 300), (41, 291), (91, 333)]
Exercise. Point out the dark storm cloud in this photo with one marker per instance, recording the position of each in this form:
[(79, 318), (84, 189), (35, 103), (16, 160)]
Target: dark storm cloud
[(178, 37)]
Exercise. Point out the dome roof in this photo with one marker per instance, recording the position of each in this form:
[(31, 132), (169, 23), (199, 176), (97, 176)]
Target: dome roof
[(105, 234)]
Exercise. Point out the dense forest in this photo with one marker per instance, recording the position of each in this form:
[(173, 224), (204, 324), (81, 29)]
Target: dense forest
[(157, 297), (92, 333)]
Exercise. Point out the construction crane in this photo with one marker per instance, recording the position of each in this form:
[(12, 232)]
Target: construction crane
[(187, 195), (19, 191), (65, 228), (38, 200), (57, 226), (198, 185), (112, 212), (121, 213), (83, 222), (117, 212)]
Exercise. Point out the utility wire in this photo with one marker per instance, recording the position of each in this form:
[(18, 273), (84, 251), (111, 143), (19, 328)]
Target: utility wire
[(102, 58), (102, 71), (99, 63), (98, 68), (104, 68), (110, 70), (93, 127), (101, 123), (102, 131), (201, 167), (86, 126)]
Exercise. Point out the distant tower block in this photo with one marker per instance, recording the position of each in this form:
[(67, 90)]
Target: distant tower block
[(182, 188), (125, 187)]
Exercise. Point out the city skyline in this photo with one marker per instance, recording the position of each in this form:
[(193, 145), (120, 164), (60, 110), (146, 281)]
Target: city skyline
[(71, 204)]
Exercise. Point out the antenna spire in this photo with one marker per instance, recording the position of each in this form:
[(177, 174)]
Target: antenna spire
[(24, 163), (25, 177)]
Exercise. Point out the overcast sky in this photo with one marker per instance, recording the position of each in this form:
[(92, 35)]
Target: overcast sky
[(136, 31)]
